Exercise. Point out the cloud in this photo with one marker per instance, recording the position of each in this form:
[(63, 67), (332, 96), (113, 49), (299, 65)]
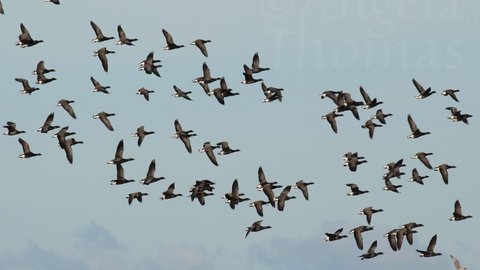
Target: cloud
[(178, 256), (100, 249), (97, 249), (35, 258), (95, 237)]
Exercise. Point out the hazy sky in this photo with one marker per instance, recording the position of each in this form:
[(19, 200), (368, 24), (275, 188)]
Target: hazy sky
[(61, 216)]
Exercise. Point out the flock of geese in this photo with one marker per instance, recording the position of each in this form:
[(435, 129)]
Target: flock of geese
[(203, 188), (344, 102)]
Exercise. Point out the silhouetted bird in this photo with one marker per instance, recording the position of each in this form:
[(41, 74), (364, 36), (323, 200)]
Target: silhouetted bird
[(170, 44), (429, 252), (122, 38), (422, 92), (100, 37), (24, 39), (200, 43)]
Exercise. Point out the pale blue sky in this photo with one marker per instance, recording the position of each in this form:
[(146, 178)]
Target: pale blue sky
[(62, 216)]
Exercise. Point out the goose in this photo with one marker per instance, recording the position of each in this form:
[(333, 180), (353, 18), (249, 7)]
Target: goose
[(394, 171), (369, 103), (26, 150), (180, 93), (357, 234), (148, 65), (258, 206), (56, 2), (303, 187), (103, 117), (233, 198), (206, 78), (200, 43), (27, 89), (41, 69), (416, 177), (271, 93), (411, 225), (12, 129), (256, 227), (150, 177), (457, 213), (61, 135), (120, 177), (347, 103), (391, 187), (404, 233), (145, 93), (283, 197), (100, 37), (226, 148), (123, 38), (451, 93), (1, 8), (199, 188), (422, 156), (355, 191), (141, 133), (455, 113), (248, 76), (333, 95), (371, 127), (429, 252), (391, 239), (220, 93), (381, 116), (170, 44), (47, 125), (368, 213), (335, 236), (119, 155), (457, 116), (66, 105), (353, 162), (255, 64), (200, 195), (371, 252), (422, 92), (263, 182), (135, 195), (102, 55), (457, 264), (68, 148), (183, 135), (331, 119), (24, 39), (443, 171), (98, 87), (208, 149), (415, 131), (41, 79), (168, 194)]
